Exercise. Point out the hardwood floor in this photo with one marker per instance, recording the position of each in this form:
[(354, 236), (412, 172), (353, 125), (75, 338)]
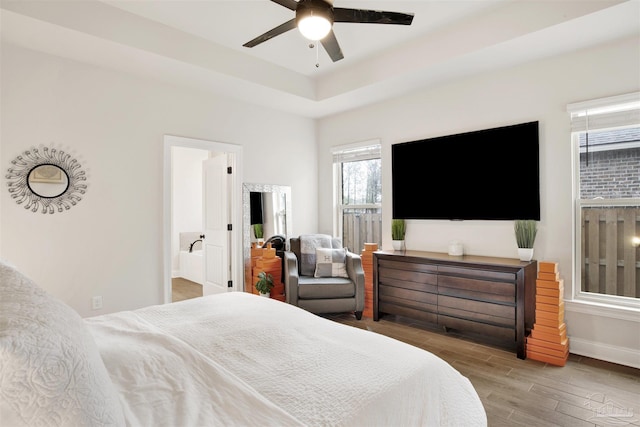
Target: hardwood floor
[(182, 289), (515, 392)]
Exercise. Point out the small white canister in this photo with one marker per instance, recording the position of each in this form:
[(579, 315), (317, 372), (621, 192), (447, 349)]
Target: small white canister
[(456, 248)]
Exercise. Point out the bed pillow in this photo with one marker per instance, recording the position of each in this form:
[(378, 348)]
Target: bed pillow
[(51, 372), (331, 263)]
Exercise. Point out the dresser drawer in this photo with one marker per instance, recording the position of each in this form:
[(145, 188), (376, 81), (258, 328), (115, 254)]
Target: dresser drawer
[(477, 327), (418, 281), (504, 276), (415, 286), (401, 310), (482, 290), (408, 297), (413, 276), (409, 266), (496, 314)]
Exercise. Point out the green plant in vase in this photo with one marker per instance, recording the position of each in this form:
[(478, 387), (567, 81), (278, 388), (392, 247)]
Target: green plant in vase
[(398, 230), (264, 283), (525, 231), (258, 231)]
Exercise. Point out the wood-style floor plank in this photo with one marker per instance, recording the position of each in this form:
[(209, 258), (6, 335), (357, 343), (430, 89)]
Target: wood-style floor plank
[(182, 289)]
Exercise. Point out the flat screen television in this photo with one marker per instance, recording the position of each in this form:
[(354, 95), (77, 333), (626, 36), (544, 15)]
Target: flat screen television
[(490, 174)]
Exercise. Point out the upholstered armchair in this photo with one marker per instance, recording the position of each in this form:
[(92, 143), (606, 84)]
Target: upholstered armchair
[(323, 277)]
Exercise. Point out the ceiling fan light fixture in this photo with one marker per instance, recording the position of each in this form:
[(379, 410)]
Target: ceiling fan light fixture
[(314, 27), (314, 19)]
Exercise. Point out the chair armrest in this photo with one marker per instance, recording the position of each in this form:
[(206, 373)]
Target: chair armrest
[(291, 277), (356, 274)]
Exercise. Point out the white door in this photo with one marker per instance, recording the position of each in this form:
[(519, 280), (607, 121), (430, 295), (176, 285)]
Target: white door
[(215, 218)]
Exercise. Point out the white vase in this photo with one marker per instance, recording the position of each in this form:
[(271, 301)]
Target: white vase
[(267, 295), (525, 254), (456, 249), (398, 245)]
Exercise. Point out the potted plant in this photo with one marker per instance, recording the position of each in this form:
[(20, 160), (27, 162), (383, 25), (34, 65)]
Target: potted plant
[(258, 232), (264, 284), (525, 231), (398, 230)]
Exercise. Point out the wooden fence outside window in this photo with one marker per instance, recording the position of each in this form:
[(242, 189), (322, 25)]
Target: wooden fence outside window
[(611, 264), (361, 228)]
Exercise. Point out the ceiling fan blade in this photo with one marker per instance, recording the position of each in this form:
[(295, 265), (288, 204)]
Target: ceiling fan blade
[(280, 29), (289, 4), (371, 16), (330, 44)]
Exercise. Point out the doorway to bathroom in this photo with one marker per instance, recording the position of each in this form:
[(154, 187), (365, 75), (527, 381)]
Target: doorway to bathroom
[(201, 206)]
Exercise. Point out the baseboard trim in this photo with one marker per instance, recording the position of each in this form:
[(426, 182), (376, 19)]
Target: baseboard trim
[(175, 273), (610, 353)]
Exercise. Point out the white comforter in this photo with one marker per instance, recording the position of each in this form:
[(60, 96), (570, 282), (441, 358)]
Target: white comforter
[(239, 359)]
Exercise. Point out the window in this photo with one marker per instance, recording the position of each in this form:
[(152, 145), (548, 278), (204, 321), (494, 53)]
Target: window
[(606, 147), (358, 195)]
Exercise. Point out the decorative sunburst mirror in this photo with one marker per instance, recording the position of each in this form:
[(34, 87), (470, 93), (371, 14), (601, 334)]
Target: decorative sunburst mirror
[(46, 180)]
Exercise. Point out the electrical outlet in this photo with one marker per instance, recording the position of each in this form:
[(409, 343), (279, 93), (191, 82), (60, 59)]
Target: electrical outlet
[(96, 303)]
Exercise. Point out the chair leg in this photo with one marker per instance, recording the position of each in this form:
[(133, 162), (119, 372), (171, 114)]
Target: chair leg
[(358, 315)]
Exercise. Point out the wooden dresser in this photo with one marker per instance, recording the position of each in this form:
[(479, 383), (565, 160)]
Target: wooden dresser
[(493, 297)]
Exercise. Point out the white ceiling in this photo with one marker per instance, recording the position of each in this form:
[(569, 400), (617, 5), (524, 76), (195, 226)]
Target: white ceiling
[(199, 43)]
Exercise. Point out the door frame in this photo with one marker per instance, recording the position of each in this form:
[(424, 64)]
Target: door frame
[(235, 203)]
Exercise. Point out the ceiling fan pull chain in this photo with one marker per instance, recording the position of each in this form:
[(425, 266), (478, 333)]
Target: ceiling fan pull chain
[(317, 57)]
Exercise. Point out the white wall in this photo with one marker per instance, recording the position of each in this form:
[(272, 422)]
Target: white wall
[(110, 244), (535, 91), (186, 193)]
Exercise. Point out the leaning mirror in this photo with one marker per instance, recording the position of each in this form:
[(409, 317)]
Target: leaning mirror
[(46, 180), (266, 212)]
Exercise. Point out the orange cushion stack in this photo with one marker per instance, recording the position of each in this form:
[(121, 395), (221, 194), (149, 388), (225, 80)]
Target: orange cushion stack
[(548, 341), (367, 266)]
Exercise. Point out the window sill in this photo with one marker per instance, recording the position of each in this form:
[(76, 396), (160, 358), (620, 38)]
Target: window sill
[(595, 308)]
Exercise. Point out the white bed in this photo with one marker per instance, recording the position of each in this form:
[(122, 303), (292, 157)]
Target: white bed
[(223, 360)]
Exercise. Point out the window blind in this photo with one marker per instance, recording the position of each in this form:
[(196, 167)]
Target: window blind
[(605, 113), (352, 153)]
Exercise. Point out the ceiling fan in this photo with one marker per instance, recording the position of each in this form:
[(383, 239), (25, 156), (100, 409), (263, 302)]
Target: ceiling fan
[(315, 18)]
